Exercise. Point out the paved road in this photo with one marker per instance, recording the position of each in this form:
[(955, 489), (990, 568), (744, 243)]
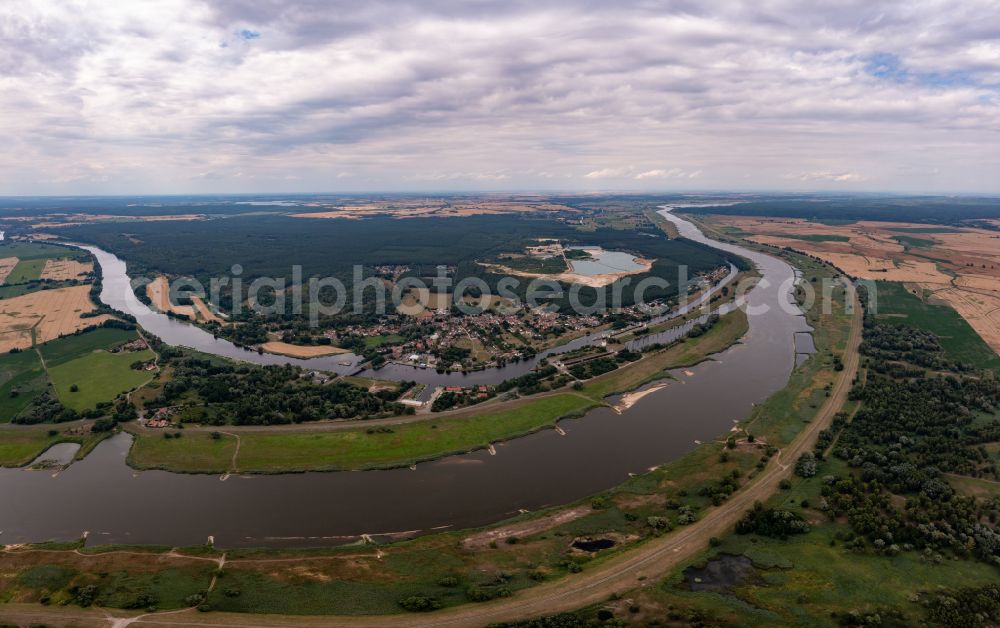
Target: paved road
[(643, 566)]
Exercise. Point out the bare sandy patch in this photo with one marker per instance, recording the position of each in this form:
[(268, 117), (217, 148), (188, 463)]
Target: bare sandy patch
[(158, 292), (630, 399), (593, 281), (205, 312), (59, 269), (7, 264), (301, 351), (482, 540)]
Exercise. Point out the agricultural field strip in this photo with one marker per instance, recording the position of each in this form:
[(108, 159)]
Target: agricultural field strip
[(969, 257)]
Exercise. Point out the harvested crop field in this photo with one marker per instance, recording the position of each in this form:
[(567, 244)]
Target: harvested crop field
[(15, 332), (60, 269), (7, 264), (158, 292), (301, 351), (50, 313), (959, 266)]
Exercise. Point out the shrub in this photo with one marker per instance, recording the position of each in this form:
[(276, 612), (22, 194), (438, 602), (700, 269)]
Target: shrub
[(420, 603), (805, 466), (771, 522)]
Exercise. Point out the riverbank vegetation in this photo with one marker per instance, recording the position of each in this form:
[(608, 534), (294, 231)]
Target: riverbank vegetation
[(902, 489), (387, 444), (20, 445), (220, 392)]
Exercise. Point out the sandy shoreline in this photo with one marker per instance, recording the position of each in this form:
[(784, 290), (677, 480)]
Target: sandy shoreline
[(630, 399), (301, 351)]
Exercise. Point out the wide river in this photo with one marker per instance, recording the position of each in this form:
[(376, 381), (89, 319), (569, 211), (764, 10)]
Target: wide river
[(113, 503)]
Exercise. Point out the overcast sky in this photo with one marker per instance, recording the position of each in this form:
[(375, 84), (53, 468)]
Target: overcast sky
[(179, 96)]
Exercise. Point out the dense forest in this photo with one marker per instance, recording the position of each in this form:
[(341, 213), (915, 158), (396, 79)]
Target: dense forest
[(915, 425), (932, 210), (218, 392), (270, 245)]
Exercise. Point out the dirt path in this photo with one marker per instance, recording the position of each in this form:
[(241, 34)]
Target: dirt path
[(643, 566), (232, 463)]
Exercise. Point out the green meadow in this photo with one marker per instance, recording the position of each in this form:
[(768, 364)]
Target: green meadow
[(21, 380), (98, 376), (274, 451), (26, 270), (76, 346)]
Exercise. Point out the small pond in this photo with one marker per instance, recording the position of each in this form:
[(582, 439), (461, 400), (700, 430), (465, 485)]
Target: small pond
[(58, 454), (603, 262)]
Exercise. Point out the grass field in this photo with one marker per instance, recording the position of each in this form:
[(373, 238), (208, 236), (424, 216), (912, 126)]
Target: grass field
[(123, 580), (9, 292), (35, 250), (19, 445), (71, 347), (914, 242), (821, 237), (21, 380), (960, 341), (200, 452), (99, 376), (26, 270), (378, 341), (276, 451)]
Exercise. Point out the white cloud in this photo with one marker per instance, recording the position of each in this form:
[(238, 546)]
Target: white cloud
[(838, 177), (493, 95), (672, 173), (608, 173)]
